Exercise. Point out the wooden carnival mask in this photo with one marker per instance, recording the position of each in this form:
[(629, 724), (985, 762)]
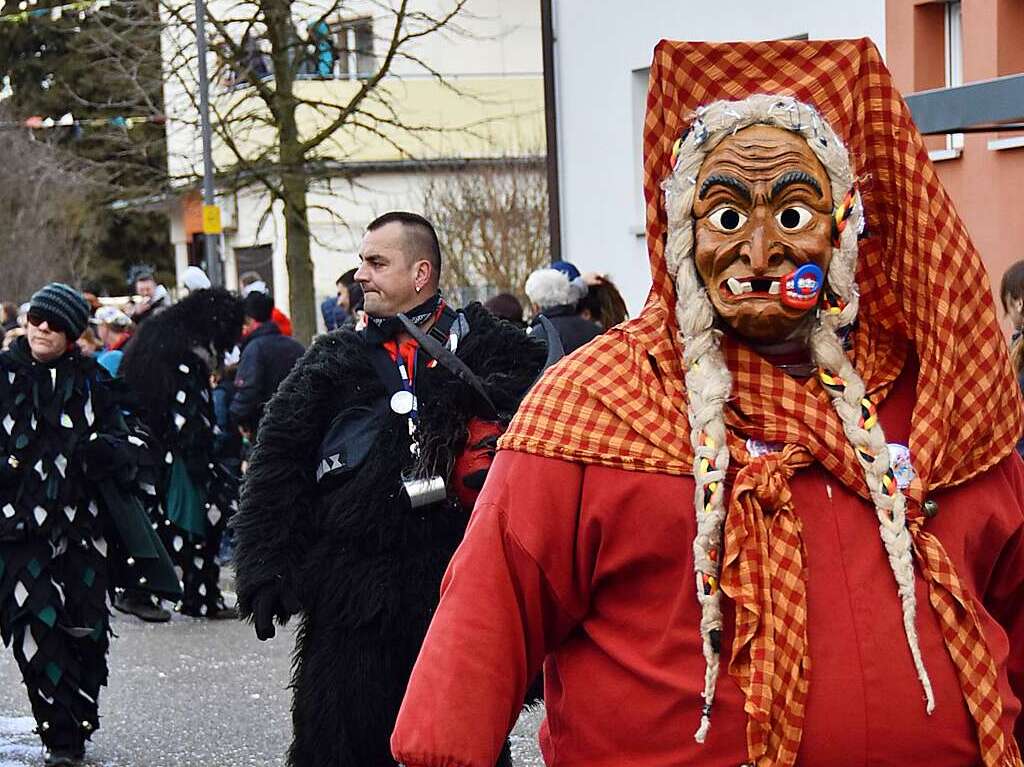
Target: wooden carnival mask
[(763, 231)]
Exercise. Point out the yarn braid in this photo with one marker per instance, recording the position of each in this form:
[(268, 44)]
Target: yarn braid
[(708, 382), (860, 424)]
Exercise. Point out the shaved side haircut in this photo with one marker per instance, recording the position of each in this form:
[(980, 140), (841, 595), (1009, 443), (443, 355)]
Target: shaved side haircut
[(420, 237)]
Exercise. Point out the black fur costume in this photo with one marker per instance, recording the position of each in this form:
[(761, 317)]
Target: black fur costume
[(72, 524), (165, 364), (365, 567)]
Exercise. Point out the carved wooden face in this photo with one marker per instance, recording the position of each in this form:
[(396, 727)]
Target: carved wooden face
[(762, 223)]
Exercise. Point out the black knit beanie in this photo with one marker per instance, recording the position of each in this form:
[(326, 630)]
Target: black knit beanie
[(64, 305), (259, 306)]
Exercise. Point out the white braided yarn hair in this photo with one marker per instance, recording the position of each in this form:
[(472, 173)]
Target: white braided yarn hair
[(708, 382)]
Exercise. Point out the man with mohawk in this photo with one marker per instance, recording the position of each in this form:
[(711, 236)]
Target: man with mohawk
[(819, 368)]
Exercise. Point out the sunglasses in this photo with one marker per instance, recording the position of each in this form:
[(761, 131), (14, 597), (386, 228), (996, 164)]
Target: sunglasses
[(37, 318)]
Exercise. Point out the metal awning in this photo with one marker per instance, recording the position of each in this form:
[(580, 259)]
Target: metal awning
[(981, 107)]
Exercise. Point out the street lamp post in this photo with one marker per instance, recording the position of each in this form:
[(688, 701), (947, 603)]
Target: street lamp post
[(211, 214)]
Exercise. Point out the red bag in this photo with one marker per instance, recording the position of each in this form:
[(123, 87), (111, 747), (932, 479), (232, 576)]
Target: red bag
[(472, 464)]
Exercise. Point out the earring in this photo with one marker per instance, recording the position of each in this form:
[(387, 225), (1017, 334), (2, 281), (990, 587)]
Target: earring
[(419, 288)]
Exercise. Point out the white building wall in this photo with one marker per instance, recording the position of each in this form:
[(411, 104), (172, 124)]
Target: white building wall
[(603, 51), (489, 37)]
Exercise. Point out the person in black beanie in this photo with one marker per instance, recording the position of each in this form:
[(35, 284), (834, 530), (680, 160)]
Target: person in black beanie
[(366, 466), (71, 489), (267, 358)]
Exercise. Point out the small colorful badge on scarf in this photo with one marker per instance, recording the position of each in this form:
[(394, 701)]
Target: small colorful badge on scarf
[(757, 448), (902, 467)]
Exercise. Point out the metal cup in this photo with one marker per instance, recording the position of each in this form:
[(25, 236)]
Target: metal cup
[(423, 492)]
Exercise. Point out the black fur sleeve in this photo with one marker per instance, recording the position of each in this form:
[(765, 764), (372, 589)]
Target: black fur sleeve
[(504, 357), (272, 523)]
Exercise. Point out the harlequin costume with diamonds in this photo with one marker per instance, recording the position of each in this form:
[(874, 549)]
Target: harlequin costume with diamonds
[(72, 477), (167, 365), (724, 553)]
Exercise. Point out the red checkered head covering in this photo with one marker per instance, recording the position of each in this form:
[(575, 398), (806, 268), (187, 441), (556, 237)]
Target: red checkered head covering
[(622, 402), (919, 277)]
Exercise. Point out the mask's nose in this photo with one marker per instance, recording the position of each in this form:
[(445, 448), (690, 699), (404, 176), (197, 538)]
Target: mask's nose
[(762, 251)]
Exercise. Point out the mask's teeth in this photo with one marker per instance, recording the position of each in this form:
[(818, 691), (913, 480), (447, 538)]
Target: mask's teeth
[(735, 286), (775, 288), (748, 287)]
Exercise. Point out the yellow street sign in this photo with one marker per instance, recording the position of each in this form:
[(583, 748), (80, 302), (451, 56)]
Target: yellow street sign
[(211, 219)]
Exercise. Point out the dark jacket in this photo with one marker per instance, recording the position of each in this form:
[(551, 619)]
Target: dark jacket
[(573, 329), (334, 315), (267, 358), (227, 442)]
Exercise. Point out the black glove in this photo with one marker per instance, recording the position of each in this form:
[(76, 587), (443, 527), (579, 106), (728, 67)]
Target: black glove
[(274, 600), (105, 457)]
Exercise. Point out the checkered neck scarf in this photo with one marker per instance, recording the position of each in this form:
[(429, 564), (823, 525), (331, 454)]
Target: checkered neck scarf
[(621, 400)]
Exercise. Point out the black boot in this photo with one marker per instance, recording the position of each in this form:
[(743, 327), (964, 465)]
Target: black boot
[(64, 757), (142, 606), (63, 742)]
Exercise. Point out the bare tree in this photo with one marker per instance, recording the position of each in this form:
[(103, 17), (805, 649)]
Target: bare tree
[(48, 230), (282, 133), (99, 70), (492, 221)]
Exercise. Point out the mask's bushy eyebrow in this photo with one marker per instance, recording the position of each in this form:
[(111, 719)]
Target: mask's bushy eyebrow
[(722, 179), (796, 177)]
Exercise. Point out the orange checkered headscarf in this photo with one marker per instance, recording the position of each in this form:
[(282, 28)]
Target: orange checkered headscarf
[(668, 393)]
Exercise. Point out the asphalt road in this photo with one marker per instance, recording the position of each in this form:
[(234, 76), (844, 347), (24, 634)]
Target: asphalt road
[(191, 693)]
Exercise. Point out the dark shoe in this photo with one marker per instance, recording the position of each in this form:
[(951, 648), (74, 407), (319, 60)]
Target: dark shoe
[(223, 614), (213, 614), (142, 608), (64, 757)]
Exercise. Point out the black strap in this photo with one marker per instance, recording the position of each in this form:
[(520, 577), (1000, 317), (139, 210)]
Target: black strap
[(555, 349), (457, 367), (443, 327)]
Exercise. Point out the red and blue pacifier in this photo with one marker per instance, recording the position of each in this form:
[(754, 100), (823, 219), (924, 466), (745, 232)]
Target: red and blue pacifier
[(800, 289)]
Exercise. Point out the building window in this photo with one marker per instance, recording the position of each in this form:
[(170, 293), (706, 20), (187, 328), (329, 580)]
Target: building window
[(640, 83), (954, 61), (355, 49), (258, 258)]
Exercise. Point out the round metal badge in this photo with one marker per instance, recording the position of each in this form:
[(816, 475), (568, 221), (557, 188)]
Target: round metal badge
[(402, 402)]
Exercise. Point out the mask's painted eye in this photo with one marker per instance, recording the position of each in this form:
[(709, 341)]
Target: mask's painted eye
[(793, 218), (727, 219)]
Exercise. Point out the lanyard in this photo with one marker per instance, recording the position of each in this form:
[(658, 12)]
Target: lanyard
[(404, 401)]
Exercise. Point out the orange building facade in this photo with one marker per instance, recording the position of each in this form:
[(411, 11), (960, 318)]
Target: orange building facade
[(933, 45)]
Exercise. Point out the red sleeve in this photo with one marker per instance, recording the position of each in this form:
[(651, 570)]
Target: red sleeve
[(281, 320), (511, 594)]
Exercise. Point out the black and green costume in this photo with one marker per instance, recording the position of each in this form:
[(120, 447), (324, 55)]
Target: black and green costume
[(200, 492), (72, 525), (165, 364)]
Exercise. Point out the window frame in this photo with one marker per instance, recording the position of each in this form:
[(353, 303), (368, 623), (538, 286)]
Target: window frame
[(352, 62), (954, 59)]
